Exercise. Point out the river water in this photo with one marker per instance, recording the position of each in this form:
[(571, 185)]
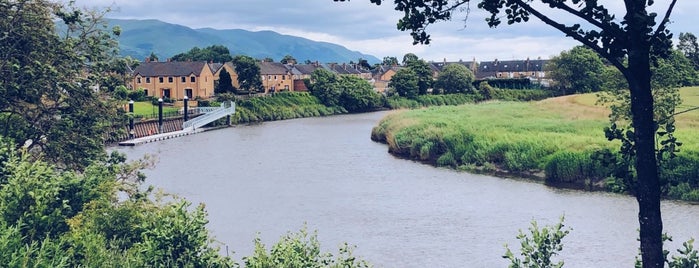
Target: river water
[(265, 180)]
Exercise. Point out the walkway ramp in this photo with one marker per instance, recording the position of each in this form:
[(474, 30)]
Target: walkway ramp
[(195, 125), (226, 109)]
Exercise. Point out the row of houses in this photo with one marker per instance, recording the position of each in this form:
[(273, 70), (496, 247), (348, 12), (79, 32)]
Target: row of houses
[(175, 80)]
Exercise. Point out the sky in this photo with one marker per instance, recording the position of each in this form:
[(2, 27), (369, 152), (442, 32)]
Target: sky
[(362, 26)]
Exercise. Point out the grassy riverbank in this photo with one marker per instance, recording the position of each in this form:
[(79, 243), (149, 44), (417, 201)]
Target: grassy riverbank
[(553, 139)]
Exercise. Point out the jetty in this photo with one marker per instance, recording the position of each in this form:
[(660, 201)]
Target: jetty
[(208, 115)]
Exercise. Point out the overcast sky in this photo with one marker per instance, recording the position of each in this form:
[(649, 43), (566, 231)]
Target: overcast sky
[(362, 26)]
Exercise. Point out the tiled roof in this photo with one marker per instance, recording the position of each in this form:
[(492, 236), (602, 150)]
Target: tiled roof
[(512, 66), (267, 68), (173, 68), (306, 68), (438, 66)]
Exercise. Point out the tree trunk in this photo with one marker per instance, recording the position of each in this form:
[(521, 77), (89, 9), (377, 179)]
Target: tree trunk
[(648, 187)]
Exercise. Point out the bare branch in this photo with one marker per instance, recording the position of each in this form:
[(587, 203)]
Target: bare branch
[(666, 19), (686, 111), (575, 35)]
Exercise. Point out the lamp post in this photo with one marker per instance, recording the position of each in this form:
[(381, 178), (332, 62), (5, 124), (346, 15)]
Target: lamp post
[(186, 113), (131, 131), (160, 115)]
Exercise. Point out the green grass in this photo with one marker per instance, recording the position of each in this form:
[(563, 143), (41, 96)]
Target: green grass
[(147, 109), (556, 137)]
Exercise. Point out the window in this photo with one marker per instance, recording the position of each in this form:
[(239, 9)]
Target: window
[(138, 80), (263, 77), (148, 80), (192, 79), (169, 79), (269, 77), (145, 91), (283, 77), (188, 93), (184, 79), (275, 77), (166, 93), (160, 79)]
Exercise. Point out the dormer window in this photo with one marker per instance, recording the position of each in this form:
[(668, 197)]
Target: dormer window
[(138, 80), (192, 79)]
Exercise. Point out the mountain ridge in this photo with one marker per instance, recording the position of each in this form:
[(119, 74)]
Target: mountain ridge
[(141, 37)]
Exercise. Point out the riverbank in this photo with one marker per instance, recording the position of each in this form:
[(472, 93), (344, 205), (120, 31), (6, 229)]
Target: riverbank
[(558, 141)]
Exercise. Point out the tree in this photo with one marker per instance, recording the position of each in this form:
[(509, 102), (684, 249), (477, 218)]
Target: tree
[(577, 70), (325, 87), (215, 53), (455, 78), (405, 83), (50, 81), (424, 74), (390, 61), (225, 83), (409, 57), (153, 57), (689, 46), (631, 45), (248, 73), (358, 95), (364, 64), (288, 59)]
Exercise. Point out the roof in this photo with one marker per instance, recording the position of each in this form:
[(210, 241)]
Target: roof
[(171, 68), (513, 66), (271, 68), (306, 68), (438, 66), (342, 68)]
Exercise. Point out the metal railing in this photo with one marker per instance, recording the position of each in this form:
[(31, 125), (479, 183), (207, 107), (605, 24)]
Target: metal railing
[(210, 116)]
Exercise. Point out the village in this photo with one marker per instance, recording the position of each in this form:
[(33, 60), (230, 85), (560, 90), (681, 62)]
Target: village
[(197, 79)]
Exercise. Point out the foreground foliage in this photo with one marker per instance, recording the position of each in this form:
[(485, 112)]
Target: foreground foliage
[(302, 249), (538, 246)]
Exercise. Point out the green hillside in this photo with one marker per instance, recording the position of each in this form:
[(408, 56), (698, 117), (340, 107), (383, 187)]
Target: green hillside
[(141, 37)]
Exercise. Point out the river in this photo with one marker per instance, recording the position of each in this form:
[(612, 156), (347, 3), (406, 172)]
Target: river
[(273, 177)]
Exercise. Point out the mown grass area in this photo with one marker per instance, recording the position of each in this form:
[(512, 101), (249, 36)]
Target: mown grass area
[(148, 110), (554, 138)]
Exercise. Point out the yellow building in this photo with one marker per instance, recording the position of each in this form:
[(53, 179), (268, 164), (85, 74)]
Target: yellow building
[(276, 77), (175, 80)]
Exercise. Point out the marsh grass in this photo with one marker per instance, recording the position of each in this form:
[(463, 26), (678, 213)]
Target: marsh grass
[(557, 136)]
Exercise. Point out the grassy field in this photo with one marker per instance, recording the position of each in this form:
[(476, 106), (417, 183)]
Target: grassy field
[(556, 135), (148, 110)]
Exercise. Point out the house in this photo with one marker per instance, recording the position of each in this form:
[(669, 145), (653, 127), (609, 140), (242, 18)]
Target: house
[(276, 77), (300, 72), (437, 67), (382, 76), (174, 79), (533, 69)]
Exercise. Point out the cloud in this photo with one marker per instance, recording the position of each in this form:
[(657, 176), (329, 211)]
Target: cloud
[(363, 26)]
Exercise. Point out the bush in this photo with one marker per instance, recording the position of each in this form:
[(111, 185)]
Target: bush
[(137, 95)]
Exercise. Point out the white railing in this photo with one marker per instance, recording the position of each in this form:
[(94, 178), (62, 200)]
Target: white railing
[(210, 116)]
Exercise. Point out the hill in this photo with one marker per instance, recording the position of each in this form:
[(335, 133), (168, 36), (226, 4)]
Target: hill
[(141, 37)]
